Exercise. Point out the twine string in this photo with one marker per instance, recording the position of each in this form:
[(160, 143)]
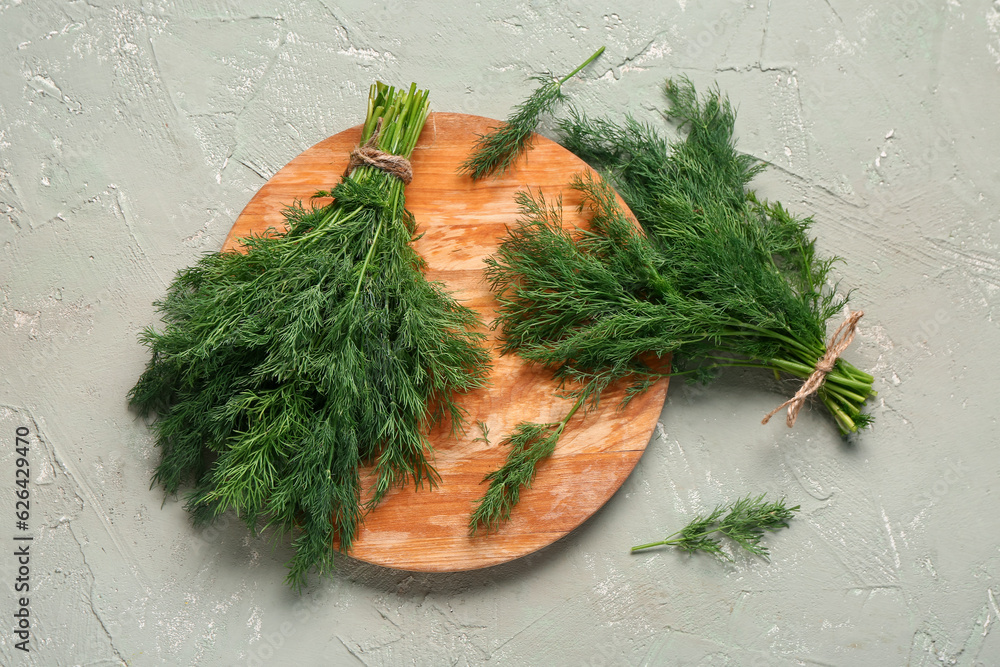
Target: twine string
[(839, 342), (369, 155)]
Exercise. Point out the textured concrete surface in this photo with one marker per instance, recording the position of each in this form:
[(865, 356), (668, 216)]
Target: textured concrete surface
[(132, 134)]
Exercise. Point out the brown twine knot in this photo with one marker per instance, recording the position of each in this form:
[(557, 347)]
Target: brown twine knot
[(834, 349), (369, 155)]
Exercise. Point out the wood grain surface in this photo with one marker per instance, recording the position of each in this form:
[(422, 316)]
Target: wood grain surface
[(462, 221)]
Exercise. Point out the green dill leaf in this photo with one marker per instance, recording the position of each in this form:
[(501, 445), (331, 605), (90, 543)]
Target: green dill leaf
[(529, 444), (484, 430)]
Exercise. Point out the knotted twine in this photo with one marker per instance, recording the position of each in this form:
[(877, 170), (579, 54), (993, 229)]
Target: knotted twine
[(369, 155), (834, 349)]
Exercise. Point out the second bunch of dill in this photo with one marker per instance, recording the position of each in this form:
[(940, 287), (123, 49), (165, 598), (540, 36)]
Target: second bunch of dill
[(715, 278)]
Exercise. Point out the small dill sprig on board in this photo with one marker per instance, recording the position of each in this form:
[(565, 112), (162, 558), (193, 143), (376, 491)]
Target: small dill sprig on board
[(484, 430), (528, 444), (495, 152), (282, 369), (745, 522)]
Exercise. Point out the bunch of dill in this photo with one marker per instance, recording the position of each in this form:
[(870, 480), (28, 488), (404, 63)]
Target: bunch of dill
[(715, 278), (284, 368)]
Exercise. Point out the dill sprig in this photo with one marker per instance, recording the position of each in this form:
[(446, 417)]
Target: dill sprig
[(495, 152), (484, 430), (745, 523), (529, 444), (715, 278), (282, 369)]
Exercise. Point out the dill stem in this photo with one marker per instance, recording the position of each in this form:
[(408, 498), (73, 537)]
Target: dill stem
[(846, 393), (846, 381), (586, 62), (667, 541), (802, 370), (845, 422), (572, 411), (777, 336), (395, 192), (364, 267), (854, 372), (843, 400)]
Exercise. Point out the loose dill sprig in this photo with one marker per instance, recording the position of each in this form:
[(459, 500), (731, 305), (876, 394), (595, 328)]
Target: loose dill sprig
[(283, 369), (528, 444), (745, 523), (496, 152), (484, 430)]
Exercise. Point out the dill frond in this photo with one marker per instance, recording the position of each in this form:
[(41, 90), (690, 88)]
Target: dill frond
[(529, 444), (745, 522), (494, 153)]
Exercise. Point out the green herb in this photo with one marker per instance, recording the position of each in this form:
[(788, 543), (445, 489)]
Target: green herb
[(529, 444), (494, 153), (718, 278), (323, 347), (484, 429), (745, 524), (750, 263)]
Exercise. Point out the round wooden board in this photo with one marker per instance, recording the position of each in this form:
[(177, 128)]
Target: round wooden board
[(425, 530)]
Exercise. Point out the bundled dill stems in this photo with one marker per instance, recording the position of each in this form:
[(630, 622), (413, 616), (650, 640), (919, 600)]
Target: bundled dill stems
[(718, 278), (281, 370)]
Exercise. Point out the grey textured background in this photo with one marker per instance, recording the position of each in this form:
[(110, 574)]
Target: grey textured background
[(133, 133)]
